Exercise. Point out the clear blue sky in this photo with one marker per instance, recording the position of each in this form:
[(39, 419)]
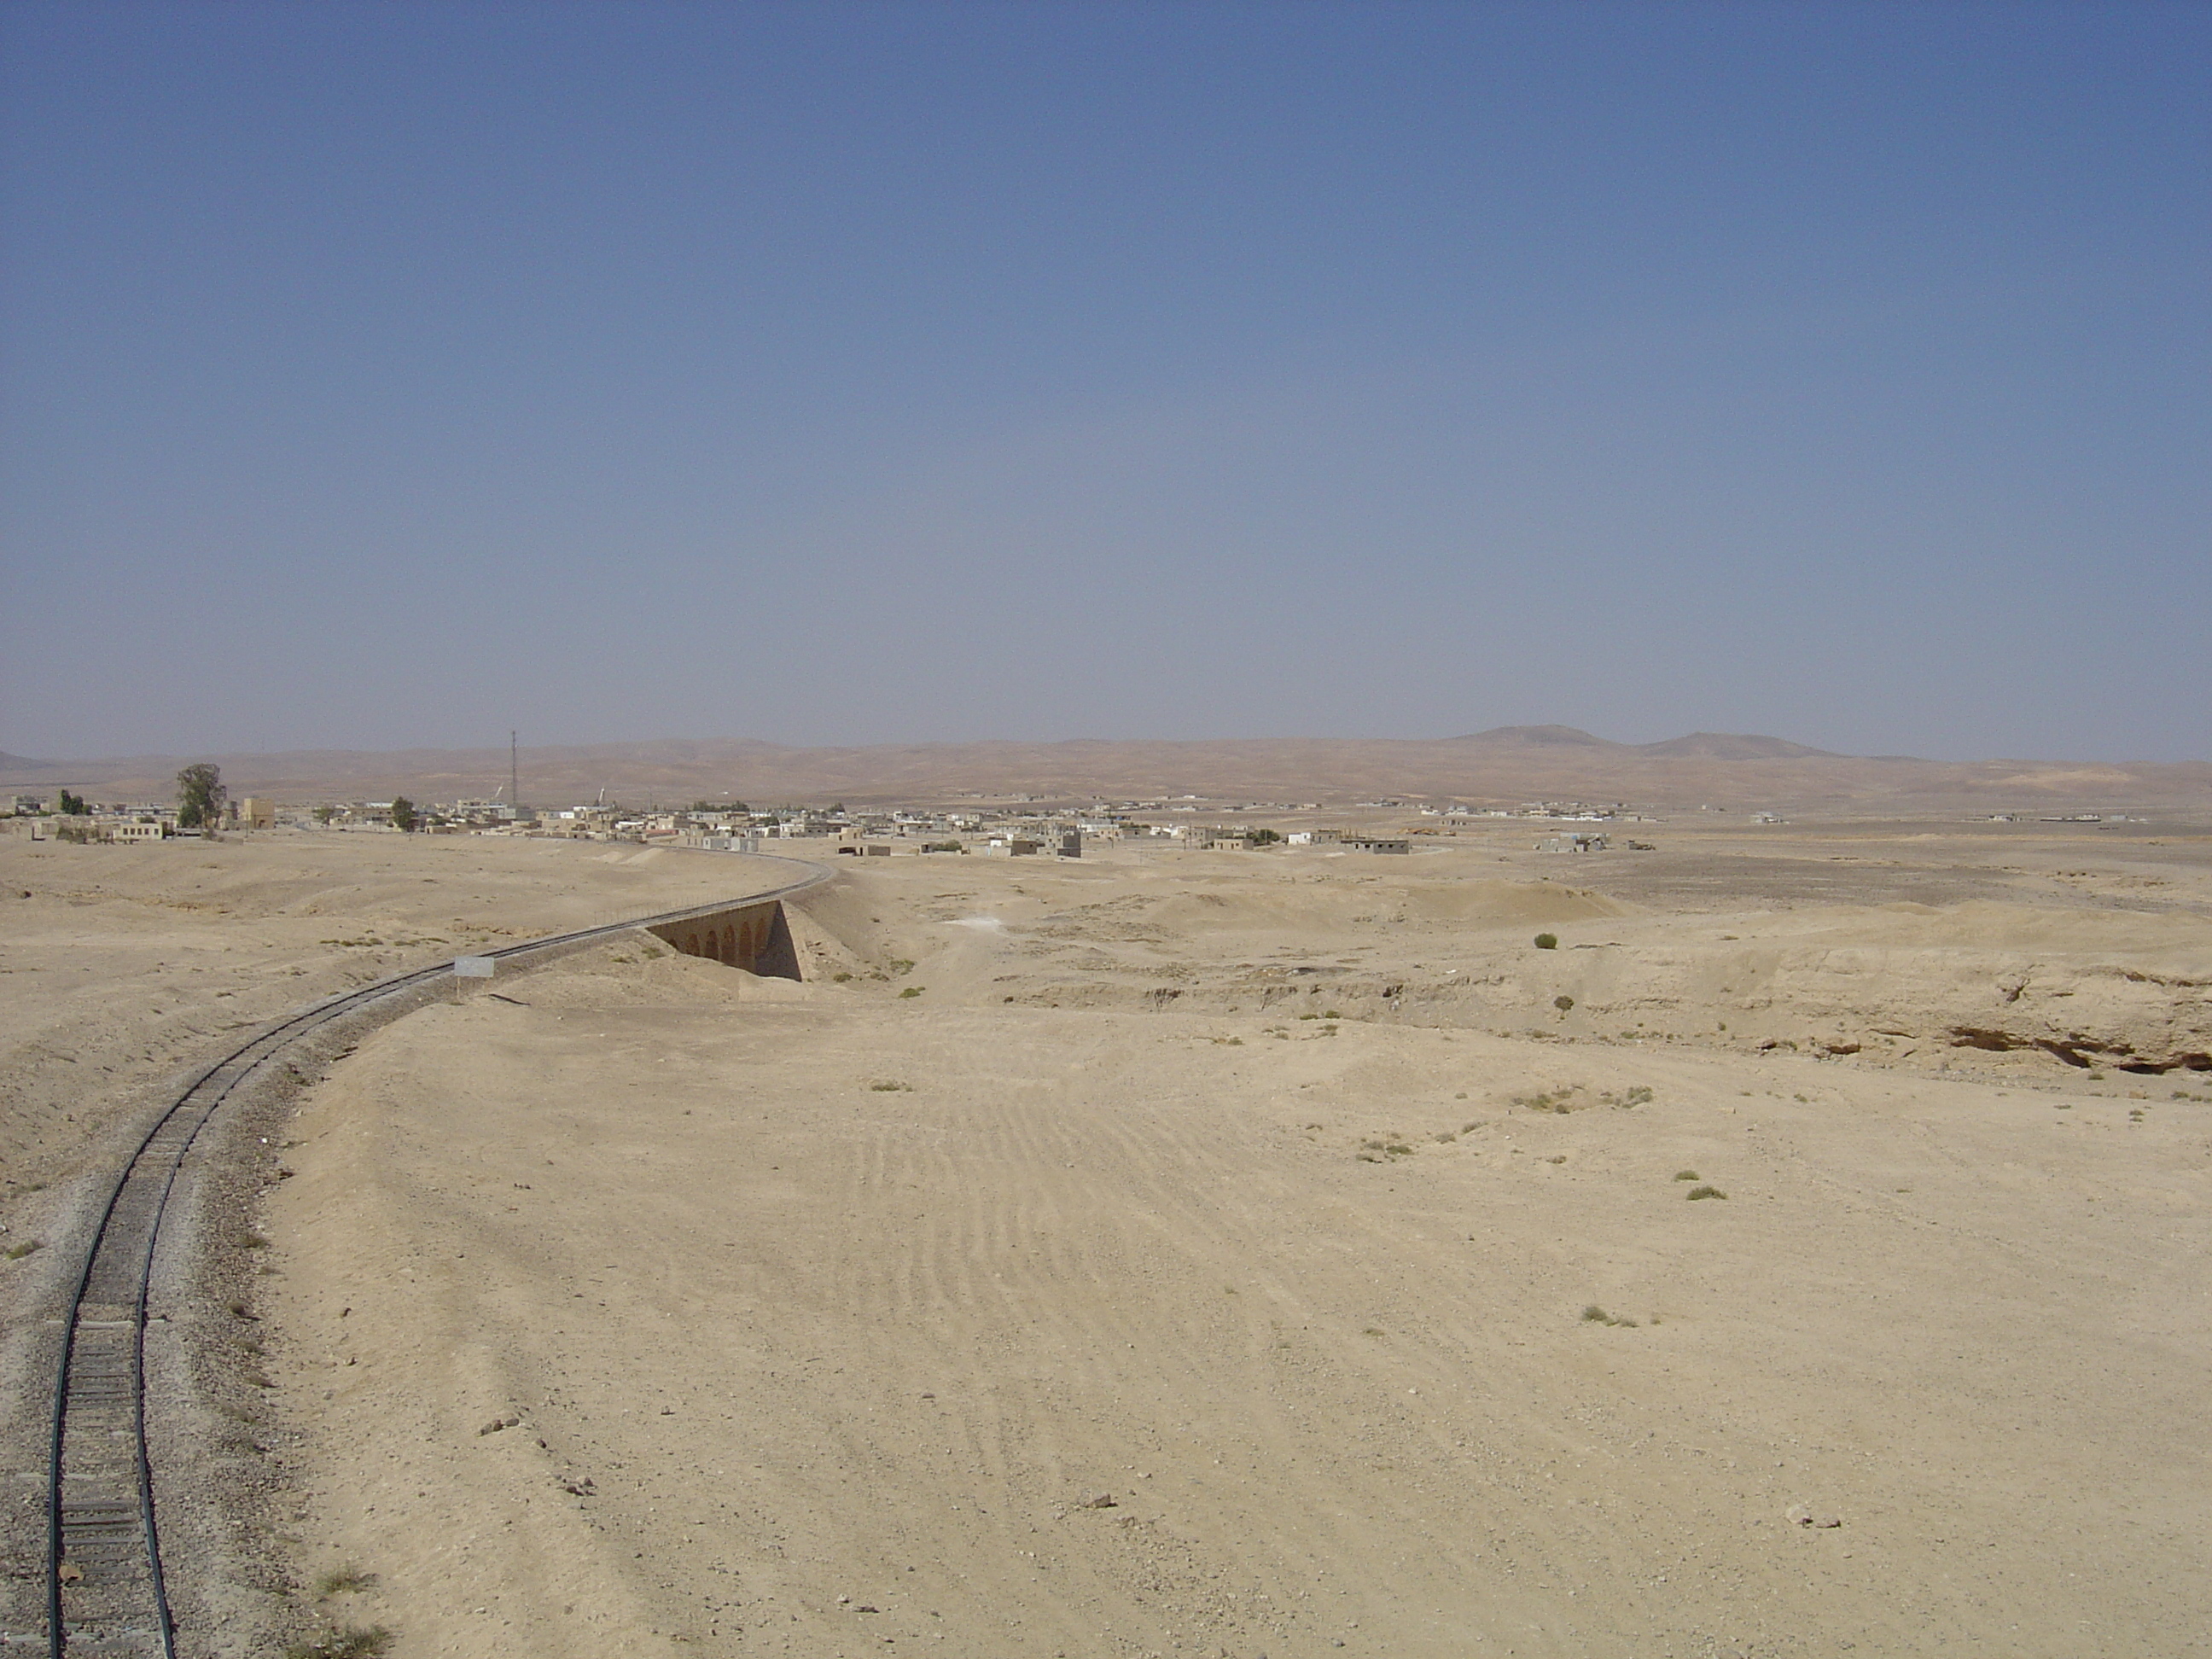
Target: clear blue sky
[(388, 374)]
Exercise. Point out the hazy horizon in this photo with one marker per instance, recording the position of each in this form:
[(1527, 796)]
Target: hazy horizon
[(390, 376), (1531, 739)]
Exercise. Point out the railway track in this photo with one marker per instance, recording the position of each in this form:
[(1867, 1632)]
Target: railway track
[(106, 1588)]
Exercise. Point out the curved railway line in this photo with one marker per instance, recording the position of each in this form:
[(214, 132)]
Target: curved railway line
[(106, 1584)]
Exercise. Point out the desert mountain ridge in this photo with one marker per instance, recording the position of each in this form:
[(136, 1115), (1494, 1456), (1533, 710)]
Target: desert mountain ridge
[(1703, 746), (1504, 766)]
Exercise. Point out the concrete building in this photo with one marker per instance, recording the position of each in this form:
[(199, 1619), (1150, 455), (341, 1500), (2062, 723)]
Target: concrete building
[(1585, 842)]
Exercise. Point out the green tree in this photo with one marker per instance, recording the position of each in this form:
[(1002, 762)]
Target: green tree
[(402, 814), (200, 796), (325, 813), (1261, 837), (73, 806)]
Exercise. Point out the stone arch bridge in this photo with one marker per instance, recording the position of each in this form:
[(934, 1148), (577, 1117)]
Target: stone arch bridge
[(755, 936)]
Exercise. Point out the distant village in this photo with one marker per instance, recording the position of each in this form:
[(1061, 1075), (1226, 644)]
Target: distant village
[(996, 826), (1013, 828)]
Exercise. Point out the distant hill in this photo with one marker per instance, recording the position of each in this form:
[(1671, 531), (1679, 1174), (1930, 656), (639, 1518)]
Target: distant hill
[(1540, 737), (1503, 767), (1733, 746), (1700, 745)]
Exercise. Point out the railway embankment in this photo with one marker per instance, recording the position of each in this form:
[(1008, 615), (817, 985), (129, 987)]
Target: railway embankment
[(133, 1364)]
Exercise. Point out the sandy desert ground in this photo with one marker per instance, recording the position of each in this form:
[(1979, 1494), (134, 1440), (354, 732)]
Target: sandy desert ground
[(1220, 1254)]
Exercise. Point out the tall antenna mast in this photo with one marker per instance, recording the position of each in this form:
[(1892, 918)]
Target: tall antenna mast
[(514, 776)]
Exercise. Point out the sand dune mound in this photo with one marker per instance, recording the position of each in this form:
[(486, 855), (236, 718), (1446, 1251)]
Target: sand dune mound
[(1992, 977), (639, 971), (2179, 938), (1507, 903), (1236, 906), (844, 911), (1314, 909)]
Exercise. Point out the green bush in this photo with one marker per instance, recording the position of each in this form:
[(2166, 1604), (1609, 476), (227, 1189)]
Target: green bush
[(351, 1642), (1547, 941)]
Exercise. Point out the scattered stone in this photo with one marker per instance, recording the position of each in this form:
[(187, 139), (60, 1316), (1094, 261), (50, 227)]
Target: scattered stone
[(1798, 1516), (1097, 1500)]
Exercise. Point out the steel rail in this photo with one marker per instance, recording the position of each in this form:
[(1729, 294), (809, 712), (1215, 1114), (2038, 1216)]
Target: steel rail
[(100, 1509)]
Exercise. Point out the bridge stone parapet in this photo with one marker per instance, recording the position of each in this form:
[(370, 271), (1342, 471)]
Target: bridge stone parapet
[(754, 937)]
